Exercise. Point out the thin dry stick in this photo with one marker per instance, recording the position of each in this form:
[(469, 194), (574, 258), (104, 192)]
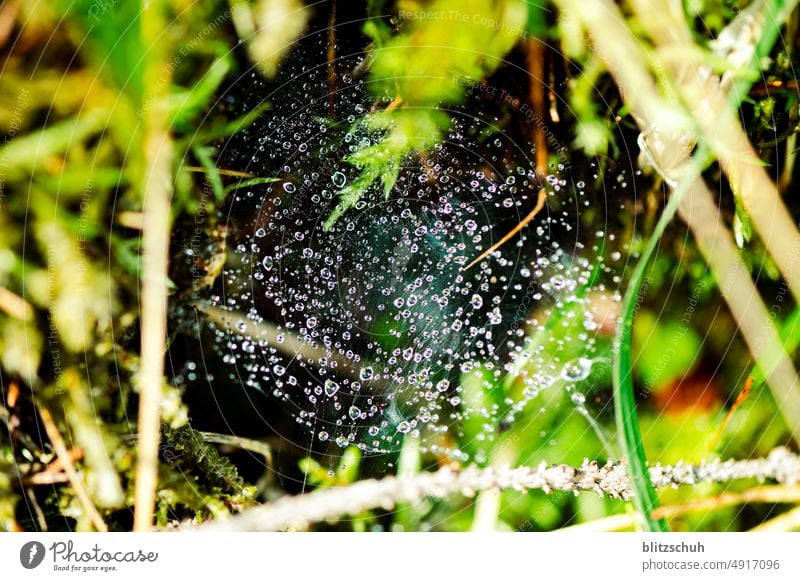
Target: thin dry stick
[(40, 519), (154, 312), (222, 172), (237, 323), (155, 253), (524, 222), (88, 430), (722, 131), (616, 522), (668, 145), (788, 521), (331, 58), (776, 494), (609, 480), (718, 248), (65, 458), (14, 305)]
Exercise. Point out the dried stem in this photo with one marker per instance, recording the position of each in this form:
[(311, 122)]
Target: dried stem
[(540, 202), (155, 248), (15, 306), (718, 121), (788, 521), (668, 143), (65, 458), (154, 312), (610, 480), (771, 494)]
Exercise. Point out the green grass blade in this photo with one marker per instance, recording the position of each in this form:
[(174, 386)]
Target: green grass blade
[(645, 499)]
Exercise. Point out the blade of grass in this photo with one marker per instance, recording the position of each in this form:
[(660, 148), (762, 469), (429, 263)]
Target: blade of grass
[(617, 46), (645, 499), (248, 183), (231, 127)]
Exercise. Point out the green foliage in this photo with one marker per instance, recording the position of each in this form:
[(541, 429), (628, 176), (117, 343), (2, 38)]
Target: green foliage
[(664, 350), (627, 419), (188, 451), (420, 70), (346, 471), (72, 186), (72, 170)]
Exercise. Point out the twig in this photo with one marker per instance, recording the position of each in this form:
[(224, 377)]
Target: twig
[(740, 399), (222, 172), (615, 522), (524, 222), (105, 485), (396, 102), (45, 479), (776, 494), (610, 480), (238, 323), (69, 468), (788, 521), (14, 305), (8, 16), (331, 57), (154, 312), (771, 494), (37, 509), (255, 446)]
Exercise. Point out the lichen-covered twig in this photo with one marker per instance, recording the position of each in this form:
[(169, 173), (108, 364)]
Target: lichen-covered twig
[(609, 480)]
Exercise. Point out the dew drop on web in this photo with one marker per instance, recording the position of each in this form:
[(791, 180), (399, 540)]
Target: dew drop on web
[(365, 332)]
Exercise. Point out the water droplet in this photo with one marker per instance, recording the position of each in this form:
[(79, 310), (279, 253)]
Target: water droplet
[(578, 398), (331, 387), (577, 369)]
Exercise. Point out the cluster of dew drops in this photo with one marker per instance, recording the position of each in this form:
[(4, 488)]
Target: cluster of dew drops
[(366, 331)]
